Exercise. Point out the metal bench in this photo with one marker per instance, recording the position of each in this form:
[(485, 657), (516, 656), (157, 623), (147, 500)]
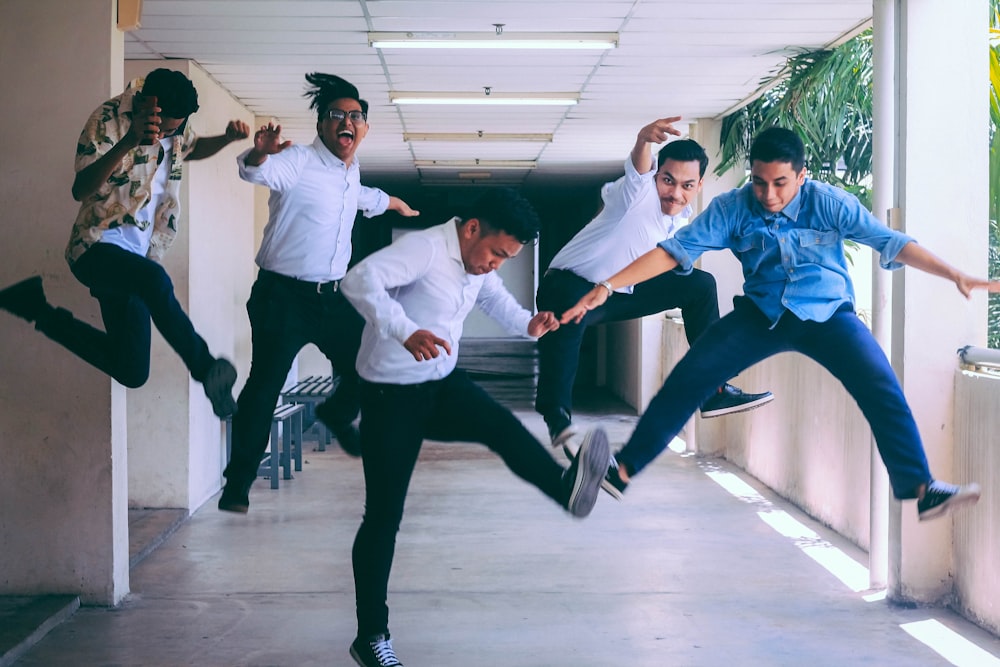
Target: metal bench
[(310, 392), (285, 451)]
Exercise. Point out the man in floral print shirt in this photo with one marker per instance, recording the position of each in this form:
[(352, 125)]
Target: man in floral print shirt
[(128, 175)]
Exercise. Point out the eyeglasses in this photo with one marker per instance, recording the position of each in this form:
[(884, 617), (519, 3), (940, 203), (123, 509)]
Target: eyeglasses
[(338, 115)]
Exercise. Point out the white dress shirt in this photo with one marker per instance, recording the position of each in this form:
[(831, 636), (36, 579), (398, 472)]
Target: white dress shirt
[(314, 199), (420, 282), (630, 225)]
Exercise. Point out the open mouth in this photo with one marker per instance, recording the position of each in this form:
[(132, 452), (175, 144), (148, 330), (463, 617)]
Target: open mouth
[(345, 137)]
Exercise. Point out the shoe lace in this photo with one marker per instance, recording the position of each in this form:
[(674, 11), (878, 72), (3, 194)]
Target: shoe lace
[(382, 648), (942, 488)]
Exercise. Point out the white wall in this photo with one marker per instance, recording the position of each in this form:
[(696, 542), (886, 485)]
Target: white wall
[(63, 512)]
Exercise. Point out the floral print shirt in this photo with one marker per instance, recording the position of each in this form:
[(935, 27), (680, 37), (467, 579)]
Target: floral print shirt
[(128, 189)]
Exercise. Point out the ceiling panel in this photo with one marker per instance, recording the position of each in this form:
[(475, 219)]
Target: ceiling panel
[(694, 58)]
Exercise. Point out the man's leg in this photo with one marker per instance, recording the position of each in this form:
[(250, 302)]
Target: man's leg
[(393, 419), (465, 412), (276, 337), (339, 339), (736, 342), (559, 352)]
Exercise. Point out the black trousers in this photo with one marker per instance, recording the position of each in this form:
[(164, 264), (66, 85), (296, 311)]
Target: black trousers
[(395, 419), (285, 315), (559, 351), (131, 289)]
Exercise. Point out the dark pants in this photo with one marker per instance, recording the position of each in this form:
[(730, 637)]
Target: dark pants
[(395, 419), (285, 315), (131, 289), (559, 351), (842, 345)]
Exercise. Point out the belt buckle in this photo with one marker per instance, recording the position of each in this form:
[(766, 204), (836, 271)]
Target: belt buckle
[(334, 286)]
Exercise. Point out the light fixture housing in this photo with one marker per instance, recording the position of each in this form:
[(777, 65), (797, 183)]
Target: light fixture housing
[(475, 164), (491, 98), (493, 40), (472, 137)]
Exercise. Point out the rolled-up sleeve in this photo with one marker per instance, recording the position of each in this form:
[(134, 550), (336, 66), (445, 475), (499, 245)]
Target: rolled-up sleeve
[(372, 201), (711, 230)]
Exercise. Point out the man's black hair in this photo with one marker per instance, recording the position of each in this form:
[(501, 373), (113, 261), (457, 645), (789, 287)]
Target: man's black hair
[(777, 144), (684, 150), (505, 210), (174, 92), (326, 88)]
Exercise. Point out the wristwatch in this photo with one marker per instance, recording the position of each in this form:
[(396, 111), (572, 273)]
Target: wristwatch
[(607, 285)]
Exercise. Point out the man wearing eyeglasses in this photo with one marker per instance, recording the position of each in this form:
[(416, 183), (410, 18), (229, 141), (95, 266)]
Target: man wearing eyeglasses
[(128, 175), (316, 192)]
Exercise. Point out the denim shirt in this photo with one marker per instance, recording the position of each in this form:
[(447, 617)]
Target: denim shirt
[(792, 260)]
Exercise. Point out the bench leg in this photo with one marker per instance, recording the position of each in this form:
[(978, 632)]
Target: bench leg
[(297, 438), (275, 454), (286, 448)]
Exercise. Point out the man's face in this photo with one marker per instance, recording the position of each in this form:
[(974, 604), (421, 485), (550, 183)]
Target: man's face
[(775, 184), (484, 250), (169, 126), (342, 135), (676, 183)]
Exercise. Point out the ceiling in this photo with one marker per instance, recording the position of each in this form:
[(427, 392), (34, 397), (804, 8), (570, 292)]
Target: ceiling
[(693, 58)]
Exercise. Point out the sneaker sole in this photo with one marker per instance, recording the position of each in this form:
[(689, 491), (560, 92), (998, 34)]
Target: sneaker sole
[(607, 486), (958, 501), (592, 466), (742, 407)]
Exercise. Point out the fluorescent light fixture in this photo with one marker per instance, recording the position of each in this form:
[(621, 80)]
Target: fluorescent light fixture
[(485, 164), (493, 40), (491, 98), (474, 175), (475, 136)]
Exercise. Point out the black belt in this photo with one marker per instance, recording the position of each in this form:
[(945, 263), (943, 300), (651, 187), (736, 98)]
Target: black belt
[(328, 287)]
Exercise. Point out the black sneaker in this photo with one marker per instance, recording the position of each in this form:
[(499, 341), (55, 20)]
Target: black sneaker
[(347, 435), (584, 475), (375, 652), (25, 299), (235, 498), (941, 498), (612, 483), (560, 427), (730, 399), (218, 384)]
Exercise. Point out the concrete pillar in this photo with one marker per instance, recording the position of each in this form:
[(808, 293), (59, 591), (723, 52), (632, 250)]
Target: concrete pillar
[(942, 175), (63, 515)]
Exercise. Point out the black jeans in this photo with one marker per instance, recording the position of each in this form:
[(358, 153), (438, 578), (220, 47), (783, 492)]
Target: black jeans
[(131, 289), (285, 315), (395, 419), (559, 351)]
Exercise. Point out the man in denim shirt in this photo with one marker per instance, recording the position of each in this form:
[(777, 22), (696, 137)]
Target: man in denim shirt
[(788, 233)]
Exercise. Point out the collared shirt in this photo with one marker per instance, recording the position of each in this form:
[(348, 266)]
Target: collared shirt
[(792, 260), (630, 225), (314, 200), (129, 188), (420, 282)]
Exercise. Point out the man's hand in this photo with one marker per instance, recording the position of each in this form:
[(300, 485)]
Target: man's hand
[(145, 129), (966, 284), (658, 131), (592, 299), (399, 206), (423, 345), (236, 130), (542, 323)]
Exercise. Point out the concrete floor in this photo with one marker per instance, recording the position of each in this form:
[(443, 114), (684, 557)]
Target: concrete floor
[(489, 572)]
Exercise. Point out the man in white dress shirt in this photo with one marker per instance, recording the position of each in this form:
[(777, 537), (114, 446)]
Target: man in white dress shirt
[(414, 296), (640, 209), (316, 193)]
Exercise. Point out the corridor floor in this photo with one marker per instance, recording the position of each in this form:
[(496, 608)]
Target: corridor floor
[(489, 572)]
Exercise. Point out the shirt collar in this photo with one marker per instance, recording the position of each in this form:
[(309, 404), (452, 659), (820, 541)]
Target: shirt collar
[(329, 159), (451, 244), (791, 211)]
